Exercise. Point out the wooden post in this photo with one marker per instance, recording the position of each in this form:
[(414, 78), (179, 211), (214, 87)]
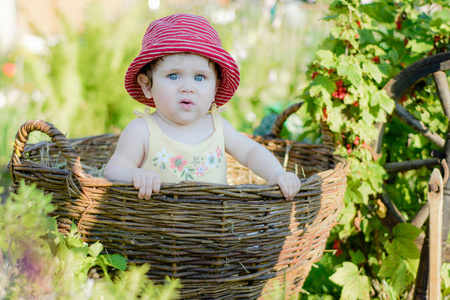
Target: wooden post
[(421, 285), (435, 200)]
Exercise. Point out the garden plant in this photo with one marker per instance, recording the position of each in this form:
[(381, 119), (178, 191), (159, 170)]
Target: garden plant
[(368, 45)]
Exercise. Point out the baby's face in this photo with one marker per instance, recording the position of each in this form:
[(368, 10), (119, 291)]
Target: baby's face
[(183, 87)]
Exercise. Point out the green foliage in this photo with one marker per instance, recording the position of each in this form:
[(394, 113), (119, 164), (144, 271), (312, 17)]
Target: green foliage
[(368, 45), (80, 75), (38, 262), (79, 257), (133, 284), (402, 259), (17, 235), (355, 286)]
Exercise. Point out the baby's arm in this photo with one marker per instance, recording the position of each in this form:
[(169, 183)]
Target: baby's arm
[(258, 159), (129, 156)]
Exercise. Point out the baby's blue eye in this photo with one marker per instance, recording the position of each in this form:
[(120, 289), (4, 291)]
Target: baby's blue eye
[(173, 76), (199, 78)]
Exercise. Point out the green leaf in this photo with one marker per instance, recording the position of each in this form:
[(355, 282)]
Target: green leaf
[(389, 266), (358, 257), (365, 190), (80, 252), (369, 119), (326, 58), (379, 11), (116, 261), (354, 286), (335, 117), (322, 86), (373, 71), (352, 194), (82, 268), (403, 241), (351, 69), (95, 249), (366, 36), (385, 102), (73, 229), (75, 242), (420, 47), (400, 272)]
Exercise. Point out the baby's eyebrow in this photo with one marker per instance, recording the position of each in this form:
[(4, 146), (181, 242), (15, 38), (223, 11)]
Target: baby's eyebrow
[(204, 70), (171, 70)]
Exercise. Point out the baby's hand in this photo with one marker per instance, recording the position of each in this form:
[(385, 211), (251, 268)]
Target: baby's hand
[(288, 182), (146, 182)]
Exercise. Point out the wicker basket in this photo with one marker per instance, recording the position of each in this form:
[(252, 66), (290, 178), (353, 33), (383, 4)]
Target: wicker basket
[(236, 241)]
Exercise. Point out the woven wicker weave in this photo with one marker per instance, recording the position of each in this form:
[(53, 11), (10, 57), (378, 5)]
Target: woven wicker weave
[(224, 241)]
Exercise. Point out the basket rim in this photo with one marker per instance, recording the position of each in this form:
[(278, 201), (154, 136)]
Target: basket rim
[(66, 146)]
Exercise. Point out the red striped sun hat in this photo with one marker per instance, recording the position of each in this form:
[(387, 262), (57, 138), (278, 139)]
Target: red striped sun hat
[(183, 33)]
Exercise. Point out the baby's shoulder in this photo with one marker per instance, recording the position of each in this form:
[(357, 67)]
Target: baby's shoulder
[(136, 126)]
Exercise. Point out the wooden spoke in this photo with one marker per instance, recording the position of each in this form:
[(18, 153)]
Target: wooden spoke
[(394, 216), (417, 125), (402, 166), (440, 79), (421, 217)]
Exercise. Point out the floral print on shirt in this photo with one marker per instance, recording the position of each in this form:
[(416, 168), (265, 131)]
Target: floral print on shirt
[(188, 169)]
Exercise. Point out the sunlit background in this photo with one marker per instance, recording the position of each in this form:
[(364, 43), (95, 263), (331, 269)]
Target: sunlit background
[(64, 61)]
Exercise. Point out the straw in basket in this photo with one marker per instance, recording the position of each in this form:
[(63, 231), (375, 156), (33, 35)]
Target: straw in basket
[(234, 241)]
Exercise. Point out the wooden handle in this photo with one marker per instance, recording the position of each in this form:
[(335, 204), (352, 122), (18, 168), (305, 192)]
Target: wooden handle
[(278, 124), (57, 137), (435, 200)]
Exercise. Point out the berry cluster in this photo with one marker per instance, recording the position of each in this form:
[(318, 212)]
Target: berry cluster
[(399, 24), (337, 247), (356, 142), (440, 44), (400, 20), (325, 115), (376, 59), (341, 90)]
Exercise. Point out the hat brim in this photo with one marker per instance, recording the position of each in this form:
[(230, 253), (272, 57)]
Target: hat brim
[(229, 77)]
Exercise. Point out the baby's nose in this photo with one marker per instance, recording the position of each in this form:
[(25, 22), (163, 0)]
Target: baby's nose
[(187, 87)]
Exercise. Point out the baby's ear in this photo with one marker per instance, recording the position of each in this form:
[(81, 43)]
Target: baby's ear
[(145, 84)]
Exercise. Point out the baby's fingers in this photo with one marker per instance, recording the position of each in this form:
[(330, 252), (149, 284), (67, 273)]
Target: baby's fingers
[(156, 184), (283, 187), (144, 185), (289, 185)]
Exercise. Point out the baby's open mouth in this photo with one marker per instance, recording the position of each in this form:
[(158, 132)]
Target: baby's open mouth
[(186, 103)]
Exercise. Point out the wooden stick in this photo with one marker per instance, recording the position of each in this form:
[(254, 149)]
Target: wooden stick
[(436, 200), (402, 166), (417, 125), (440, 79)]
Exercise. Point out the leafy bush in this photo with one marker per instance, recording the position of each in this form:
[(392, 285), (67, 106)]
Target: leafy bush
[(369, 44), (37, 261)]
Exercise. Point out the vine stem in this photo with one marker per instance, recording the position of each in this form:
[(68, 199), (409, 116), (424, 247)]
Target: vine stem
[(1, 261), (350, 20)]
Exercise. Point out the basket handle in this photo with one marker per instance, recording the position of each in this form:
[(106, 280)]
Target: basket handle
[(282, 117), (57, 137)]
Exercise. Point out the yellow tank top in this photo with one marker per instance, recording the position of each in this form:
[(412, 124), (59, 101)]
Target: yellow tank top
[(175, 161)]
